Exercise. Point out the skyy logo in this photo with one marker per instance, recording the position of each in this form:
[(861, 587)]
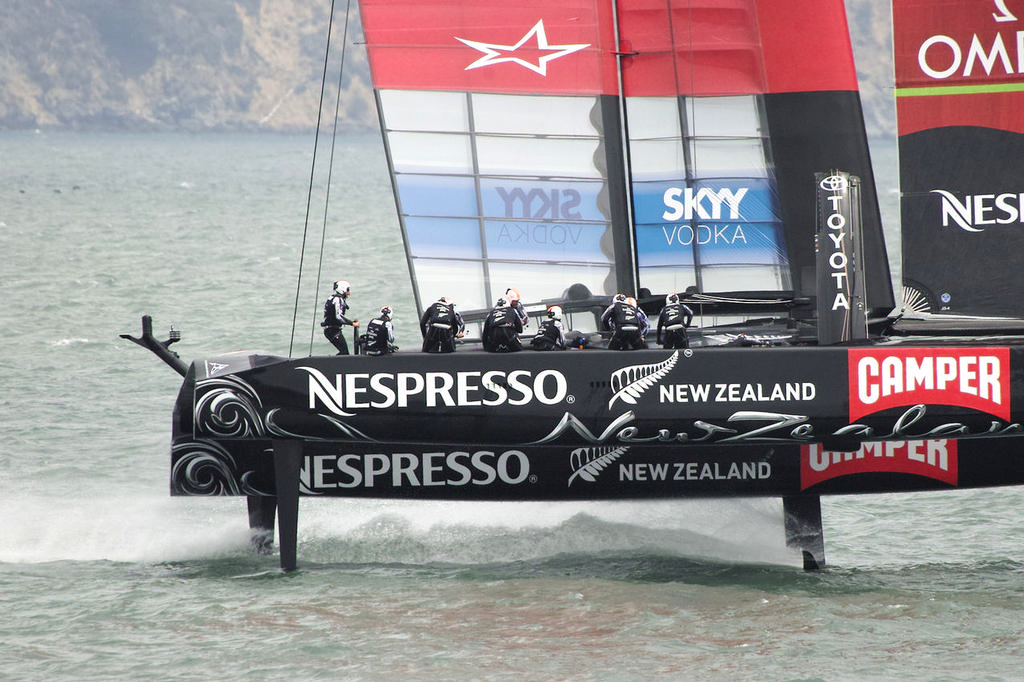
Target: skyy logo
[(975, 213), (559, 204), (705, 203)]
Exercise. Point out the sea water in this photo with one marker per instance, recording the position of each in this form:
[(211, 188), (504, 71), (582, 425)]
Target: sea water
[(104, 576)]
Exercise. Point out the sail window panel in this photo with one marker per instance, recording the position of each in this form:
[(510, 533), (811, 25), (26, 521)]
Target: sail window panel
[(726, 243), (541, 199), (534, 115), (556, 244), (540, 157), (422, 110), (430, 152), (463, 281), (656, 159), (652, 118), (666, 245), (744, 278), (437, 195), (536, 282), (728, 158), (667, 279), (723, 117), (443, 237)]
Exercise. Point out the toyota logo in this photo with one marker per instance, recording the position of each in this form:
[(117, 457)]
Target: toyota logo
[(833, 183)]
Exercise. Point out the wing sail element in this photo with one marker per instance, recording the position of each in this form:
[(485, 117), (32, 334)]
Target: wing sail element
[(590, 147)]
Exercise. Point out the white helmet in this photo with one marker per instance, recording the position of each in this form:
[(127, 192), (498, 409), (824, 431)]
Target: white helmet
[(341, 287), (385, 312), (672, 299), (512, 295), (630, 301), (555, 312)]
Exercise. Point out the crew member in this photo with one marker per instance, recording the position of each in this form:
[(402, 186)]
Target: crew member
[(624, 322), (441, 324), (550, 335), (334, 316), (514, 300), (645, 325), (380, 334), (675, 317), (502, 327)]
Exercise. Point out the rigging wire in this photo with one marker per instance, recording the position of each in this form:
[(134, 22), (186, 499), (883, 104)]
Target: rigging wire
[(312, 172), (330, 166)]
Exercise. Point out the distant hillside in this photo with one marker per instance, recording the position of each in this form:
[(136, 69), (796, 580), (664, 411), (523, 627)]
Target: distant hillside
[(235, 65)]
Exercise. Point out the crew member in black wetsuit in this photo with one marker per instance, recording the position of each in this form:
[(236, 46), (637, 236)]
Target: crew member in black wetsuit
[(441, 324), (380, 334), (624, 322), (512, 296), (502, 327), (675, 317), (334, 316), (551, 335)]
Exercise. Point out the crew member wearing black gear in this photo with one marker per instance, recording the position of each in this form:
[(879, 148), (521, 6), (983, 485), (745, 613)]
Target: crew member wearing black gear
[(624, 322), (550, 336), (502, 327), (441, 325), (380, 334), (675, 317), (334, 317)]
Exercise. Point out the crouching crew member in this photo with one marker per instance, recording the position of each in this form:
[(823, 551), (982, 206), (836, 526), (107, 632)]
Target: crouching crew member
[(380, 334), (675, 317), (441, 324), (624, 322), (502, 327), (551, 335), (334, 317)]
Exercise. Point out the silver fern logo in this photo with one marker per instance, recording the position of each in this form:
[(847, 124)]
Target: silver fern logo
[(629, 383), (588, 462)]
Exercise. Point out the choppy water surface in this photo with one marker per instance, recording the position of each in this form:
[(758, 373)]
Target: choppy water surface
[(104, 576)]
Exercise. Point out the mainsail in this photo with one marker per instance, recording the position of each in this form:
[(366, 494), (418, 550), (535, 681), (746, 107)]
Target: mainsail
[(959, 96), (590, 147)]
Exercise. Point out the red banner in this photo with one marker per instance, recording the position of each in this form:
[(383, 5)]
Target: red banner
[(978, 378), (930, 458)]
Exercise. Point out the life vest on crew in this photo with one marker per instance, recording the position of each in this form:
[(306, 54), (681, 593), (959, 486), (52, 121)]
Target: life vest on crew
[(443, 315), (549, 336), (332, 318), (624, 317)]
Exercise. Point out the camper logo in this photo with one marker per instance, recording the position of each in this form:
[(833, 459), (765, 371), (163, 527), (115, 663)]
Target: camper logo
[(930, 458), (532, 51), (978, 378)]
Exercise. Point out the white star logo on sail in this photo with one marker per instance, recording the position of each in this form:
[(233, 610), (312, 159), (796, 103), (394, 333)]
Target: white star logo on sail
[(500, 54)]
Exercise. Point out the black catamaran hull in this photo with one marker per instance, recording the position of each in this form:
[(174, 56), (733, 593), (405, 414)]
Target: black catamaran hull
[(605, 424)]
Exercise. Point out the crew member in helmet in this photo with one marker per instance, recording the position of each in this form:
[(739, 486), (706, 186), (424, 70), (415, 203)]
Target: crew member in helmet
[(675, 317), (645, 325), (441, 324), (335, 321), (550, 335), (502, 327), (380, 334), (514, 300), (624, 322)]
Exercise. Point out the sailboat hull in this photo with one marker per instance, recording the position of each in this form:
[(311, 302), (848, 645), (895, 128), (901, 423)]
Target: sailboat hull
[(597, 424)]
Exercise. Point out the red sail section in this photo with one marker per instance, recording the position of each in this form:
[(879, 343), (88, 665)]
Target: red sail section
[(958, 64), (488, 46), (706, 47)]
